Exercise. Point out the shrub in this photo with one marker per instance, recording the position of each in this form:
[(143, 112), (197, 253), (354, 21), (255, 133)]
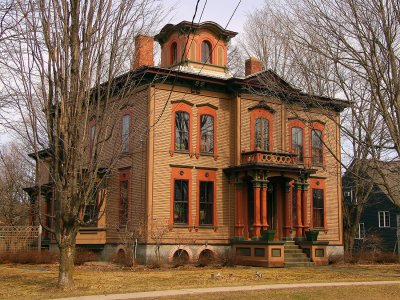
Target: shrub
[(225, 259), (180, 258), (206, 258), (30, 257), (85, 255)]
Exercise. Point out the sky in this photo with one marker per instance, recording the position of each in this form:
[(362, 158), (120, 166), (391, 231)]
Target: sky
[(218, 11)]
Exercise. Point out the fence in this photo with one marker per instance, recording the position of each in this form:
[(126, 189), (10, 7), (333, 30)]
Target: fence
[(19, 238)]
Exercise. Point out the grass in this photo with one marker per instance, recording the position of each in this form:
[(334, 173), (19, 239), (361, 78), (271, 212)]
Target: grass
[(382, 292), (38, 282)]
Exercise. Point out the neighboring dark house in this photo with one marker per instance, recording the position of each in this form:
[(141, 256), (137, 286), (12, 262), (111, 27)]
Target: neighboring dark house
[(379, 226)]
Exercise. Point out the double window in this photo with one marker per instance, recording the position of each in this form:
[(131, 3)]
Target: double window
[(125, 133), (206, 134), (384, 219), (316, 146), (182, 130), (297, 143), (261, 134), (318, 208)]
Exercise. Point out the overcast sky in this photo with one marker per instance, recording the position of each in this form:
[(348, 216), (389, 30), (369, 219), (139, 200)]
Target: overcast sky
[(218, 11)]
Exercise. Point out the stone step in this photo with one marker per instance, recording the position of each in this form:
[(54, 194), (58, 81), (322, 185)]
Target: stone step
[(293, 251), (298, 264), (296, 259), (295, 256)]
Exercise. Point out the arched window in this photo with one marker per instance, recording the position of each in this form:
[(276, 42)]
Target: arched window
[(261, 136), (297, 143), (182, 131), (174, 53), (206, 52)]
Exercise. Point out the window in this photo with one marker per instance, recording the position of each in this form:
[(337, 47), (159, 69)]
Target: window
[(92, 134), (206, 134), (125, 132), (124, 177), (174, 53), (297, 143), (384, 219), (182, 131), (206, 52), (316, 146), (181, 201), (318, 208), (206, 203), (261, 137), (90, 214), (360, 234)]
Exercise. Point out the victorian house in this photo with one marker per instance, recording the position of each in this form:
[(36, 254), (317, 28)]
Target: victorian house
[(226, 161)]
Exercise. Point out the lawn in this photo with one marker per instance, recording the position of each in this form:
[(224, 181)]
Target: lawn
[(38, 282)]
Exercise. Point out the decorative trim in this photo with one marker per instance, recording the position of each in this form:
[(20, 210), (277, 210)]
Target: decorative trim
[(206, 168), (207, 104), (262, 105), (180, 166), (182, 101)]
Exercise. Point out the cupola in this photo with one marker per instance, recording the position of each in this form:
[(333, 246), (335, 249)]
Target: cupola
[(199, 47)]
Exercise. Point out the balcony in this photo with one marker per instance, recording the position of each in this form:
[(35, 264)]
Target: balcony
[(267, 157)]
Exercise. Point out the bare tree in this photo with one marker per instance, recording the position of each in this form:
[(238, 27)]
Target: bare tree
[(15, 174), (63, 77)]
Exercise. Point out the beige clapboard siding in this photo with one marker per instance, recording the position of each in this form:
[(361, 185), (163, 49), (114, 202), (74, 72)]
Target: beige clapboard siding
[(162, 170)]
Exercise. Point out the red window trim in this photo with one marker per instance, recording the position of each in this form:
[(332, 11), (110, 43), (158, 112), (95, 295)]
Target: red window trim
[(317, 125), (206, 110), (178, 106), (316, 183), (261, 113), (200, 52), (181, 174), (206, 176), (299, 124), (123, 113), (124, 175)]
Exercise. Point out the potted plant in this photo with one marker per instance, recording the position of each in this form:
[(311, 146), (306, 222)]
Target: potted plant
[(312, 235), (268, 235)]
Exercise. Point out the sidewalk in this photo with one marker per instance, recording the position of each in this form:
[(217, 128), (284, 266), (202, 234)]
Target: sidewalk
[(154, 294)]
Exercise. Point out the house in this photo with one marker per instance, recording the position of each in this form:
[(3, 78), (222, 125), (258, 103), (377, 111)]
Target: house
[(225, 159), (379, 226)]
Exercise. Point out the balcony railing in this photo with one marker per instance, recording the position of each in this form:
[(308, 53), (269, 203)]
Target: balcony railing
[(267, 157)]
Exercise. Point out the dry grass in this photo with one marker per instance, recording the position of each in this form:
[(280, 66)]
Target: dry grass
[(383, 292), (38, 282)]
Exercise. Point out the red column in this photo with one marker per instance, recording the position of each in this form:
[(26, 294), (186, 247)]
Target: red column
[(286, 227), (264, 204), (298, 211), (304, 208), (239, 211), (257, 223)]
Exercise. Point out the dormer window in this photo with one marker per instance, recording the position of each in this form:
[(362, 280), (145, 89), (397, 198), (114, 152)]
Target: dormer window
[(174, 53), (206, 52)]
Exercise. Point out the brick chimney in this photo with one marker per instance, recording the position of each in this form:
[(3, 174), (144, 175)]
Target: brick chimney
[(144, 51), (252, 65)]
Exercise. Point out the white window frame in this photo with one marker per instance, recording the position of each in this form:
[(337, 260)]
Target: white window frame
[(386, 219), (360, 234)]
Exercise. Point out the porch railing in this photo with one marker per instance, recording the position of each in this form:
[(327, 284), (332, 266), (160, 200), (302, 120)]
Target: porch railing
[(267, 157)]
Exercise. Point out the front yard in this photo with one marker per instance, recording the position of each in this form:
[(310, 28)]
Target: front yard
[(39, 281)]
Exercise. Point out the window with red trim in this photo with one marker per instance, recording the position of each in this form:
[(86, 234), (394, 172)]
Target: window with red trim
[(182, 131), (318, 208), (124, 197), (298, 143), (261, 129), (316, 147), (181, 196), (125, 132), (206, 140), (206, 191)]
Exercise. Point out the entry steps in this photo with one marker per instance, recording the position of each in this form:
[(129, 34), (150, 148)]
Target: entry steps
[(295, 257)]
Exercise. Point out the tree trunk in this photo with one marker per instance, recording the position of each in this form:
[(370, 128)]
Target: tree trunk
[(66, 269)]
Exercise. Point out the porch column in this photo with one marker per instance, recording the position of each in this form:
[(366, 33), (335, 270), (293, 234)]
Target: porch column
[(298, 211), (306, 224), (239, 209), (286, 210), (264, 203), (257, 223)]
